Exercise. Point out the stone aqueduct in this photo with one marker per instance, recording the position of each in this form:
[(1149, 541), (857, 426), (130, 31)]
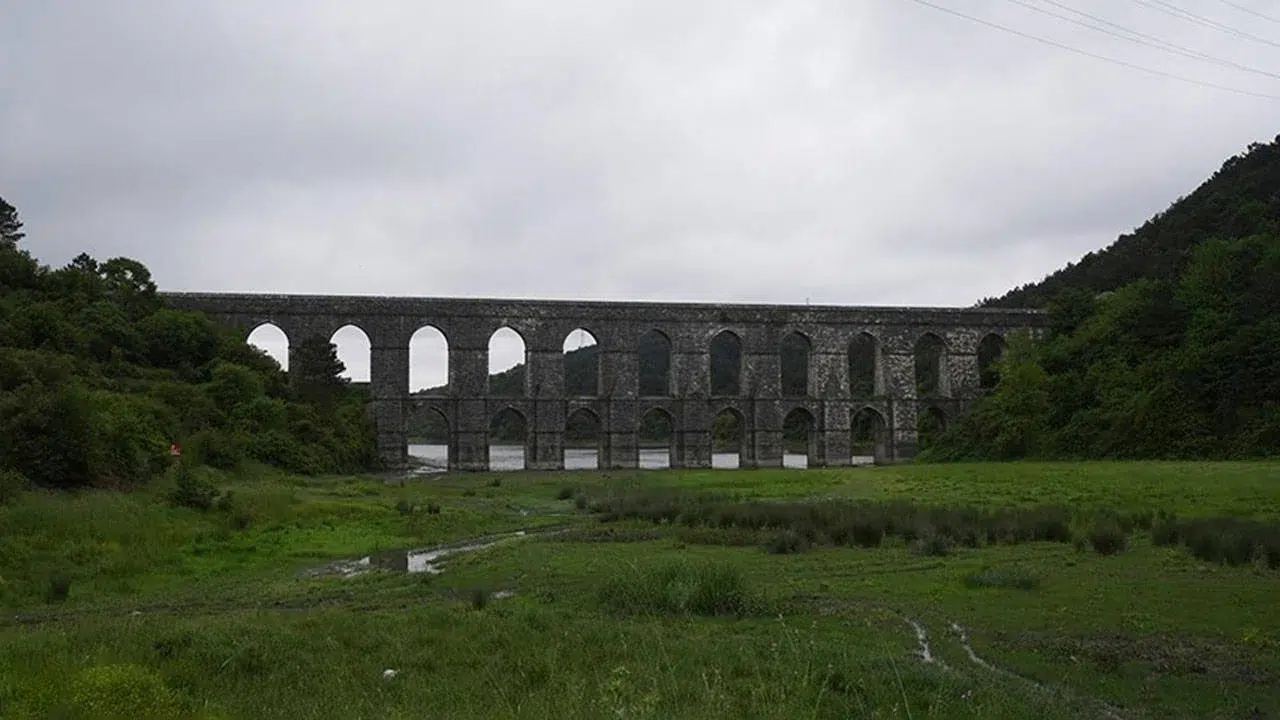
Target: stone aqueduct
[(761, 403)]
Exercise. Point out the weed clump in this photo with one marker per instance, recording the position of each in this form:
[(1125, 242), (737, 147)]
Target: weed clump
[(496, 482), (433, 508), (565, 493), (405, 507), (680, 588), (1008, 577), (59, 588), (192, 489), (931, 546), (123, 691), (480, 598), (1108, 537), (787, 542)]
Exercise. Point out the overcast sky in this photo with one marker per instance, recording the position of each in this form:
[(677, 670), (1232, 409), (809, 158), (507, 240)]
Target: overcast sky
[(852, 151)]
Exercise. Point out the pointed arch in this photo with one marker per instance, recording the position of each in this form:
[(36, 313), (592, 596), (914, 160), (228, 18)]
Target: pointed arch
[(990, 352), (428, 436), (793, 365), (728, 438), (429, 361), (800, 437), (657, 433), (870, 436), (931, 366), (654, 364), (508, 364), (581, 364), (354, 352), (270, 339), (864, 366), (583, 440), (508, 440), (726, 364)]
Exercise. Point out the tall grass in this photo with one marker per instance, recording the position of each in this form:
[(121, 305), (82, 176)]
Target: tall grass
[(680, 588)]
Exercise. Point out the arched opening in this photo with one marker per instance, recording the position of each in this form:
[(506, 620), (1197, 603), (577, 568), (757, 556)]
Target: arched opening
[(863, 366), (870, 437), (794, 364), (582, 440), (990, 351), (353, 351), (508, 366), (656, 436), (427, 431), (726, 365), (931, 366), (429, 362), (508, 441), (581, 364), (654, 364), (271, 340), (931, 423), (728, 439), (799, 439)]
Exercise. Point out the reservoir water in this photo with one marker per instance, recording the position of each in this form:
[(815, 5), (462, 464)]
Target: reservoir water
[(511, 457)]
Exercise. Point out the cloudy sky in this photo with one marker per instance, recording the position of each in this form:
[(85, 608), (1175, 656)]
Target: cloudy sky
[(846, 151)]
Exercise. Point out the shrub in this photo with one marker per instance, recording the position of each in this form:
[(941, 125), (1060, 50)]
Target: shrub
[(12, 483), (191, 488), (565, 493), (1165, 532), (59, 587), (931, 545), (679, 588), (405, 507), (1006, 577), (433, 508), (216, 448), (580, 502), (479, 598), (1107, 537), (786, 543), (496, 482), (120, 692)]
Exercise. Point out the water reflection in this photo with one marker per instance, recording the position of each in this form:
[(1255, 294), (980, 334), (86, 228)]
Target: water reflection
[(435, 458)]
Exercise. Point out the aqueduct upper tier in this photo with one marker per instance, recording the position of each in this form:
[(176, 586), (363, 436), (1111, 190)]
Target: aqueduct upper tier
[(858, 363)]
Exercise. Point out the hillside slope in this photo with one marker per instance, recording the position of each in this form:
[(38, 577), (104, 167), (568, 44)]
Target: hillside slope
[(1242, 198)]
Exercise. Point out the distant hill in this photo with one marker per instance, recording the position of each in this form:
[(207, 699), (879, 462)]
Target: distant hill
[(1240, 199), (1166, 344)]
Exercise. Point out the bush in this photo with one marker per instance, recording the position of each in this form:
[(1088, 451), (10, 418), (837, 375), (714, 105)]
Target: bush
[(565, 493), (931, 545), (479, 598), (787, 542), (1165, 532), (1008, 577), (1107, 537), (12, 483), (191, 488), (679, 588), (123, 692), (433, 508), (59, 588), (216, 448), (405, 507)]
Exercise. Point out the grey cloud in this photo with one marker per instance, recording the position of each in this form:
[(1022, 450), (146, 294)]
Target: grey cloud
[(874, 152)]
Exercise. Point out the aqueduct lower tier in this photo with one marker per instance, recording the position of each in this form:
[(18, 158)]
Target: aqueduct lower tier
[(761, 400)]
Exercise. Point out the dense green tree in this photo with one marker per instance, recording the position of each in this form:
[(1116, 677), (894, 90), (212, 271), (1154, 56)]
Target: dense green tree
[(316, 373), (10, 226)]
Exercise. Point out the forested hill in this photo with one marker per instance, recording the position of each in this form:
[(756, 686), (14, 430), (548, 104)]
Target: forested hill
[(1165, 345), (1240, 199)]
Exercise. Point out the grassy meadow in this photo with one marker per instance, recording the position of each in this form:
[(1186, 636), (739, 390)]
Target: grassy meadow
[(1061, 590)]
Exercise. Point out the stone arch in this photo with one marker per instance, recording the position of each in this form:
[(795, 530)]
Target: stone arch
[(429, 361), (653, 364), (509, 428), (931, 422), (990, 351), (508, 357), (864, 366), (428, 436), (581, 363), (725, 357), (354, 351), (800, 435), (657, 428), (870, 435), (794, 352), (931, 366), (729, 437), (272, 340), (582, 431)]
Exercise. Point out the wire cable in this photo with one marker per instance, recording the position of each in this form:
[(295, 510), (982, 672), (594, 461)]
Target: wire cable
[(1181, 14), (1104, 58), (1168, 46), (1250, 11)]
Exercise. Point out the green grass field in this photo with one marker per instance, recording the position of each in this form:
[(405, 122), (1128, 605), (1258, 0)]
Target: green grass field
[(118, 605)]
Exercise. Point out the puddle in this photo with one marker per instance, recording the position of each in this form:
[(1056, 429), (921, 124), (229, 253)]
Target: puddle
[(426, 560)]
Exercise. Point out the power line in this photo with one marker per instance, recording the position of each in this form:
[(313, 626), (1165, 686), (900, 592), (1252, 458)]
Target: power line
[(1169, 46), (1104, 58), (1251, 11), (1181, 14)]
